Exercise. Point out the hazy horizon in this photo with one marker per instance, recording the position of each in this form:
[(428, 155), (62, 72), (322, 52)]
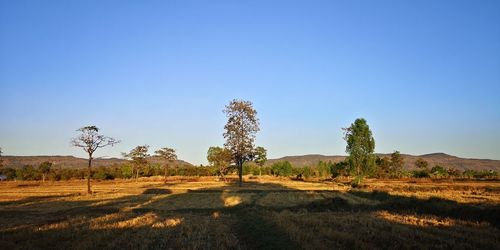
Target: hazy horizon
[(425, 75)]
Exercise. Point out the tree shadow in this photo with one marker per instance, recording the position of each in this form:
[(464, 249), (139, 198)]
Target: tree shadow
[(229, 217)]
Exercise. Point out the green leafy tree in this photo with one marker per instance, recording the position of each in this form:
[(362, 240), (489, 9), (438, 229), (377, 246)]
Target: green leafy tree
[(281, 168), (90, 140), (439, 171), (138, 156), (240, 130), (260, 158), (220, 158), (397, 164), (44, 169), (168, 155), (360, 147)]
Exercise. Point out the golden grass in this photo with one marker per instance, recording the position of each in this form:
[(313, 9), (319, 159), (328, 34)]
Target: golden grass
[(203, 213)]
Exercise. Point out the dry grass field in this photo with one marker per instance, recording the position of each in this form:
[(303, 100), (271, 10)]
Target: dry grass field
[(203, 213)]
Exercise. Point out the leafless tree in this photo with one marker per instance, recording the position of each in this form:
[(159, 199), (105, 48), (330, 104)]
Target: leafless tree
[(90, 140), (168, 155), (240, 130)]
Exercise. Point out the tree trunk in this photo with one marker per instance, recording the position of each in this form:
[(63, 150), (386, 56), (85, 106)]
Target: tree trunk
[(137, 174), (89, 173), (240, 171), (43, 177), (166, 173)]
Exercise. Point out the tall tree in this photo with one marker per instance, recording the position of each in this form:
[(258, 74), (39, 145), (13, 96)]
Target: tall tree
[(90, 140), (240, 130), (45, 168), (260, 155), (221, 159), (138, 155), (360, 147), (168, 155), (397, 164)]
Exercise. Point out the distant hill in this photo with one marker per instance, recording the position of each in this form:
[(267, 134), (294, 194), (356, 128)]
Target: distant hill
[(69, 161), (441, 159)]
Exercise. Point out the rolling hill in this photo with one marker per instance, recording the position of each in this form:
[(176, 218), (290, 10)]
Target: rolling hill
[(441, 159), (69, 161)]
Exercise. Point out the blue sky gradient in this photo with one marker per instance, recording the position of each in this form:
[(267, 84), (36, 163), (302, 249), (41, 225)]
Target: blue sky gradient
[(425, 74)]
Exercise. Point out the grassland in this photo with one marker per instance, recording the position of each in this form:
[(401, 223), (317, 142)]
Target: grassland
[(203, 213)]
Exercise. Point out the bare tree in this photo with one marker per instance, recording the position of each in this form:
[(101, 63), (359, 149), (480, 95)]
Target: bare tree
[(240, 130), (90, 140), (138, 155), (168, 155)]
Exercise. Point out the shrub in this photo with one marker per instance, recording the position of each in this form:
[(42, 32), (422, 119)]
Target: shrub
[(282, 168)]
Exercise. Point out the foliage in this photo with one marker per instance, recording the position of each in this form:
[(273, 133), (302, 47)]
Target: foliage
[(138, 157), (422, 164), (360, 147), (220, 158), (168, 155), (260, 155), (281, 168), (44, 169), (396, 165)]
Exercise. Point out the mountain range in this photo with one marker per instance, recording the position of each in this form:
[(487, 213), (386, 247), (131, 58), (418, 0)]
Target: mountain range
[(441, 159)]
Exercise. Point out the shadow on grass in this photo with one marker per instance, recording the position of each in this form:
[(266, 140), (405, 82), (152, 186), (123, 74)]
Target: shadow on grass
[(227, 217)]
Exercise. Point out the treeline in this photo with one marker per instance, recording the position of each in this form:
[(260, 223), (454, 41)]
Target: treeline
[(46, 171), (323, 170), (344, 169)]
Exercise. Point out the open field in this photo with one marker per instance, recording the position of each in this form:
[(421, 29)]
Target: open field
[(194, 213)]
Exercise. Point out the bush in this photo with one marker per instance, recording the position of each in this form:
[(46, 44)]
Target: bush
[(420, 174), (282, 168)]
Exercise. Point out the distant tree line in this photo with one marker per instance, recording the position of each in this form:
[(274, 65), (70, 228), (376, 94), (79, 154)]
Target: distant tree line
[(47, 171)]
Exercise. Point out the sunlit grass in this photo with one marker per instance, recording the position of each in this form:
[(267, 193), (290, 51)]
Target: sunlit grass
[(207, 213)]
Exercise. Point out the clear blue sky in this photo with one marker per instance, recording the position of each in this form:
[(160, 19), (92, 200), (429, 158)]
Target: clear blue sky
[(425, 74)]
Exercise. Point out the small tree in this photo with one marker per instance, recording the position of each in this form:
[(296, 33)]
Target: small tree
[(240, 130), (220, 158), (422, 164), (138, 155), (90, 140), (384, 166), (168, 155), (397, 164), (260, 155), (360, 147), (45, 168)]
